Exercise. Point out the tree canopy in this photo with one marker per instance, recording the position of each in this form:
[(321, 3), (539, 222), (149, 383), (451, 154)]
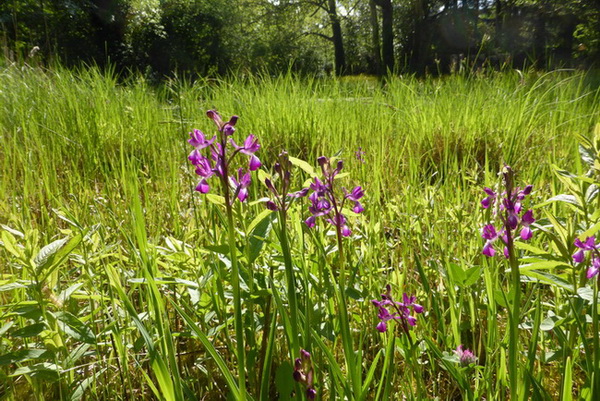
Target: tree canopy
[(212, 37)]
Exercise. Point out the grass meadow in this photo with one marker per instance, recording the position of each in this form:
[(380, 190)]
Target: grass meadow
[(119, 281)]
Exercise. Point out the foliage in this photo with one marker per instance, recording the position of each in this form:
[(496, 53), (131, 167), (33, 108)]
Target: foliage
[(116, 279)]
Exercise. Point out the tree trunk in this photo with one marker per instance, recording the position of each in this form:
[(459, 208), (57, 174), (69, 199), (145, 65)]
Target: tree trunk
[(338, 43), (419, 45), (498, 22), (387, 34), (539, 37), (376, 48)]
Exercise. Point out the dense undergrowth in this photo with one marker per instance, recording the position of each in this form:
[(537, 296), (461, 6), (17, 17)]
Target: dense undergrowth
[(135, 298)]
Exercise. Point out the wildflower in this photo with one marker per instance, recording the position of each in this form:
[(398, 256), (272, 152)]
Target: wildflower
[(324, 201), (511, 216), (491, 195), (219, 157), (401, 310), (588, 246), (359, 154), (282, 197), (594, 268), (465, 356), (304, 373)]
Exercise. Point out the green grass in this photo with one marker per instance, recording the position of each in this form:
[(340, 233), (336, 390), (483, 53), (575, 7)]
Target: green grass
[(141, 306)]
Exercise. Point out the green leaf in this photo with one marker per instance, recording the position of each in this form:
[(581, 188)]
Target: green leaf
[(210, 348), (567, 387), (11, 245), (215, 199), (45, 256), (75, 328), (586, 293), (354, 294), (570, 199), (11, 286), (543, 265), (457, 273), (549, 278), (548, 323), (259, 233), (24, 355), (284, 381), (222, 249), (370, 376), (51, 256), (29, 331), (14, 232), (44, 371), (472, 275), (304, 166)]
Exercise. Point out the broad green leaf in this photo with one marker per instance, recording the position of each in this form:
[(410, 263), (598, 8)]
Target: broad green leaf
[(25, 355), (75, 328), (284, 381), (222, 249), (472, 275), (549, 278), (44, 371), (304, 166), (548, 323), (56, 254), (544, 265), (46, 255), (29, 331), (258, 235), (215, 199), (11, 245)]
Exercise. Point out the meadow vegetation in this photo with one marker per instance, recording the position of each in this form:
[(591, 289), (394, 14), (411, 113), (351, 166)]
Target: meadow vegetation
[(116, 276)]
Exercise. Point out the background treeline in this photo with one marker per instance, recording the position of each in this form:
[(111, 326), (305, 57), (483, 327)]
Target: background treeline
[(212, 37)]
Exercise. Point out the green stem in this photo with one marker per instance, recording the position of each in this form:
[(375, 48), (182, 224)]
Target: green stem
[(235, 280), (596, 378), (237, 304), (513, 345), (291, 286)]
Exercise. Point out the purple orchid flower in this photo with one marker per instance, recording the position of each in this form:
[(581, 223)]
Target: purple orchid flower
[(324, 201), (402, 310), (218, 158), (304, 373), (240, 185), (511, 207)]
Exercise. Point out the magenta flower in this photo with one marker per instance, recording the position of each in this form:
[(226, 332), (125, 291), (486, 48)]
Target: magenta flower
[(324, 201), (465, 356), (594, 268), (199, 141), (359, 154), (588, 246), (304, 373), (508, 209), (240, 184), (402, 311), (218, 157), (282, 198), (487, 201)]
